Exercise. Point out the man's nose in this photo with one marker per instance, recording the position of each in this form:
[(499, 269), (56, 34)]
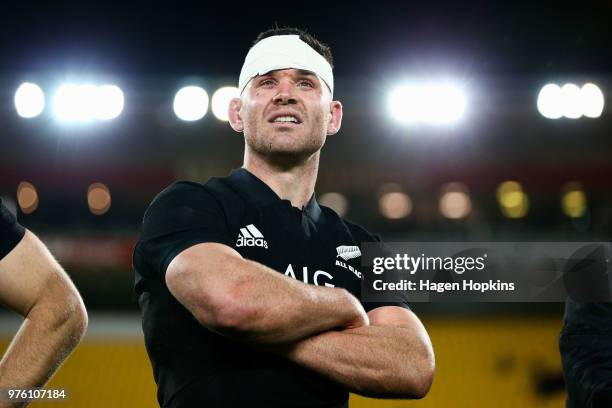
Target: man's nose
[(285, 94)]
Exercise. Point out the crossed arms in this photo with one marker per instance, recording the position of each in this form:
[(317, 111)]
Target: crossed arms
[(385, 353), (34, 285)]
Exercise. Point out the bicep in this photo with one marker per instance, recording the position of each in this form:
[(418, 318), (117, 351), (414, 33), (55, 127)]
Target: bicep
[(27, 273)]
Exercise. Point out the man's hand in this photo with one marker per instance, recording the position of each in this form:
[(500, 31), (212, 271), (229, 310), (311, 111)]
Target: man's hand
[(250, 302), (34, 285)]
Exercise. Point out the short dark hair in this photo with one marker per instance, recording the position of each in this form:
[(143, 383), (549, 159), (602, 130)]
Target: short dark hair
[(309, 39)]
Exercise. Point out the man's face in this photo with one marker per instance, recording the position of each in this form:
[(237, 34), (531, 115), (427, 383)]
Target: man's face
[(286, 112)]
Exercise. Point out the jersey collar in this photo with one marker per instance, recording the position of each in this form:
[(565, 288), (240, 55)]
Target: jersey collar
[(261, 194)]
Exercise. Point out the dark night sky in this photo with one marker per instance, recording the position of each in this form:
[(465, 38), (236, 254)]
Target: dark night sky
[(366, 37), (514, 46)]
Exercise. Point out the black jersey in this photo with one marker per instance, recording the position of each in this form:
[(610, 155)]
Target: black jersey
[(585, 342), (10, 231), (192, 365)]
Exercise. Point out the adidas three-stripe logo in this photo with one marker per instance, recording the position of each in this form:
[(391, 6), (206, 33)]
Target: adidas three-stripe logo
[(250, 236)]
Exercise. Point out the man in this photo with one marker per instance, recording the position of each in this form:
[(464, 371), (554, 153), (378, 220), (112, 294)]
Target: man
[(585, 341), (248, 287), (585, 344), (34, 285)]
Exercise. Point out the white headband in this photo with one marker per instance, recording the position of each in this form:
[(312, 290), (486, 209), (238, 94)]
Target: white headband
[(282, 52)]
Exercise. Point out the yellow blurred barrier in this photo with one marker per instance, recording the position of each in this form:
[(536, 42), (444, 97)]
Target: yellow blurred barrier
[(481, 362), (490, 362)]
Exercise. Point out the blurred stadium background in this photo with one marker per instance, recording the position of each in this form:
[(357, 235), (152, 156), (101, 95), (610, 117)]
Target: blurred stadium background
[(485, 152)]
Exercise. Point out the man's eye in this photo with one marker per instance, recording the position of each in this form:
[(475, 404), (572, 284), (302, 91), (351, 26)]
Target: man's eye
[(305, 82), (266, 82)]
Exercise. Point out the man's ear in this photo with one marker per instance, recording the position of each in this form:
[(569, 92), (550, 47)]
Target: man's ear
[(234, 117), (335, 118)]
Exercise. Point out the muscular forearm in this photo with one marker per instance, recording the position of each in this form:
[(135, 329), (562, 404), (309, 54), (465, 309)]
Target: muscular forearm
[(46, 337), (248, 301), (272, 308), (376, 361)]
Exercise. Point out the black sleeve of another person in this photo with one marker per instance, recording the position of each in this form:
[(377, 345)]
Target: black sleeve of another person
[(183, 215), (10, 231)]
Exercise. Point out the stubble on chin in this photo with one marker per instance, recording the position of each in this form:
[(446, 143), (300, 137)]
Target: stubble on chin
[(269, 143)]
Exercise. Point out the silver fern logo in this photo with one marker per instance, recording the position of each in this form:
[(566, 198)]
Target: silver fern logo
[(347, 252)]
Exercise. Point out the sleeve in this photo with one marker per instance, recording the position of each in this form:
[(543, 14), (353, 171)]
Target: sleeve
[(183, 215), (361, 235), (10, 231)]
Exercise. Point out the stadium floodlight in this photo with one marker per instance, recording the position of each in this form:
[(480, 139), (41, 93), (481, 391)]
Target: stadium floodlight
[(571, 101), (221, 100), (87, 102), (592, 100), (190, 103), (66, 103), (29, 100), (429, 103), (109, 103), (550, 102)]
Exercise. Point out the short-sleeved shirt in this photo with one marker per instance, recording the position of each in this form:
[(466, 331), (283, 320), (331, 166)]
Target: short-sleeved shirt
[(585, 341), (585, 344), (10, 231), (194, 366)]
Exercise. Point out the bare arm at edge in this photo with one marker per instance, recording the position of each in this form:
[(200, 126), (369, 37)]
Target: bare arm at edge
[(34, 285)]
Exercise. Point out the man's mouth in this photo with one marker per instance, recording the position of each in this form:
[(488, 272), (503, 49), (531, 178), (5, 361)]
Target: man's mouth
[(285, 119)]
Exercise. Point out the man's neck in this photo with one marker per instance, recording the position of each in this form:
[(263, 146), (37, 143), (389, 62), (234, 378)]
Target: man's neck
[(294, 183)]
